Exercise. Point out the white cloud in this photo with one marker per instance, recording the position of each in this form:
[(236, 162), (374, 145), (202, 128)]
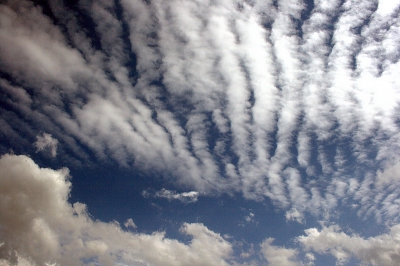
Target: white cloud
[(389, 175), (294, 215), (185, 197), (34, 206), (310, 258), (130, 223), (378, 250), (278, 255), (46, 141), (387, 7), (225, 99), (250, 217)]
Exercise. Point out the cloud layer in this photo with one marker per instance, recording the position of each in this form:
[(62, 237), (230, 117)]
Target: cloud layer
[(279, 100)]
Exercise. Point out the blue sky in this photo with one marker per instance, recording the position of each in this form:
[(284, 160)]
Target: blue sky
[(218, 132)]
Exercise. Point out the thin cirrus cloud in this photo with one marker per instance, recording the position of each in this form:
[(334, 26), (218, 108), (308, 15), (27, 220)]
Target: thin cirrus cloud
[(278, 100)]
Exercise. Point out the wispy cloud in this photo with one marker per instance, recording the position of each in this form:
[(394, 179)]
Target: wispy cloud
[(130, 223), (185, 197), (45, 142)]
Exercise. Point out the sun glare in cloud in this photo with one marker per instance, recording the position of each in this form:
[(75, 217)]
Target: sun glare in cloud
[(226, 132)]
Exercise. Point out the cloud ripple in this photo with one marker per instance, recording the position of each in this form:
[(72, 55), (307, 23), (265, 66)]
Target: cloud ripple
[(289, 101)]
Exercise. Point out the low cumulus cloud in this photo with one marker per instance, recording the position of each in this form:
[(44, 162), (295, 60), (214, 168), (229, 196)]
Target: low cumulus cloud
[(34, 206), (278, 255), (379, 250)]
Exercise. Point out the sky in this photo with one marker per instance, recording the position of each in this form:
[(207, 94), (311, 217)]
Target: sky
[(199, 132)]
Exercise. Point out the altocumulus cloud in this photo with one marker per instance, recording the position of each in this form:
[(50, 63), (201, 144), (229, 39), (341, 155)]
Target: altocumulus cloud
[(259, 92), (287, 101)]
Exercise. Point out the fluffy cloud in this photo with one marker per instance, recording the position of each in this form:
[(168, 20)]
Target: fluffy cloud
[(34, 206), (379, 250), (388, 176), (278, 255), (130, 223)]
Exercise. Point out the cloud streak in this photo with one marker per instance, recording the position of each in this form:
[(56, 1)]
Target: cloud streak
[(185, 197)]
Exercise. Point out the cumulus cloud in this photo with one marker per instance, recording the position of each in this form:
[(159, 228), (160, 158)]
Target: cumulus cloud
[(278, 255), (185, 197), (310, 258), (285, 101), (379, 250), (34, 206), (44, 142)]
